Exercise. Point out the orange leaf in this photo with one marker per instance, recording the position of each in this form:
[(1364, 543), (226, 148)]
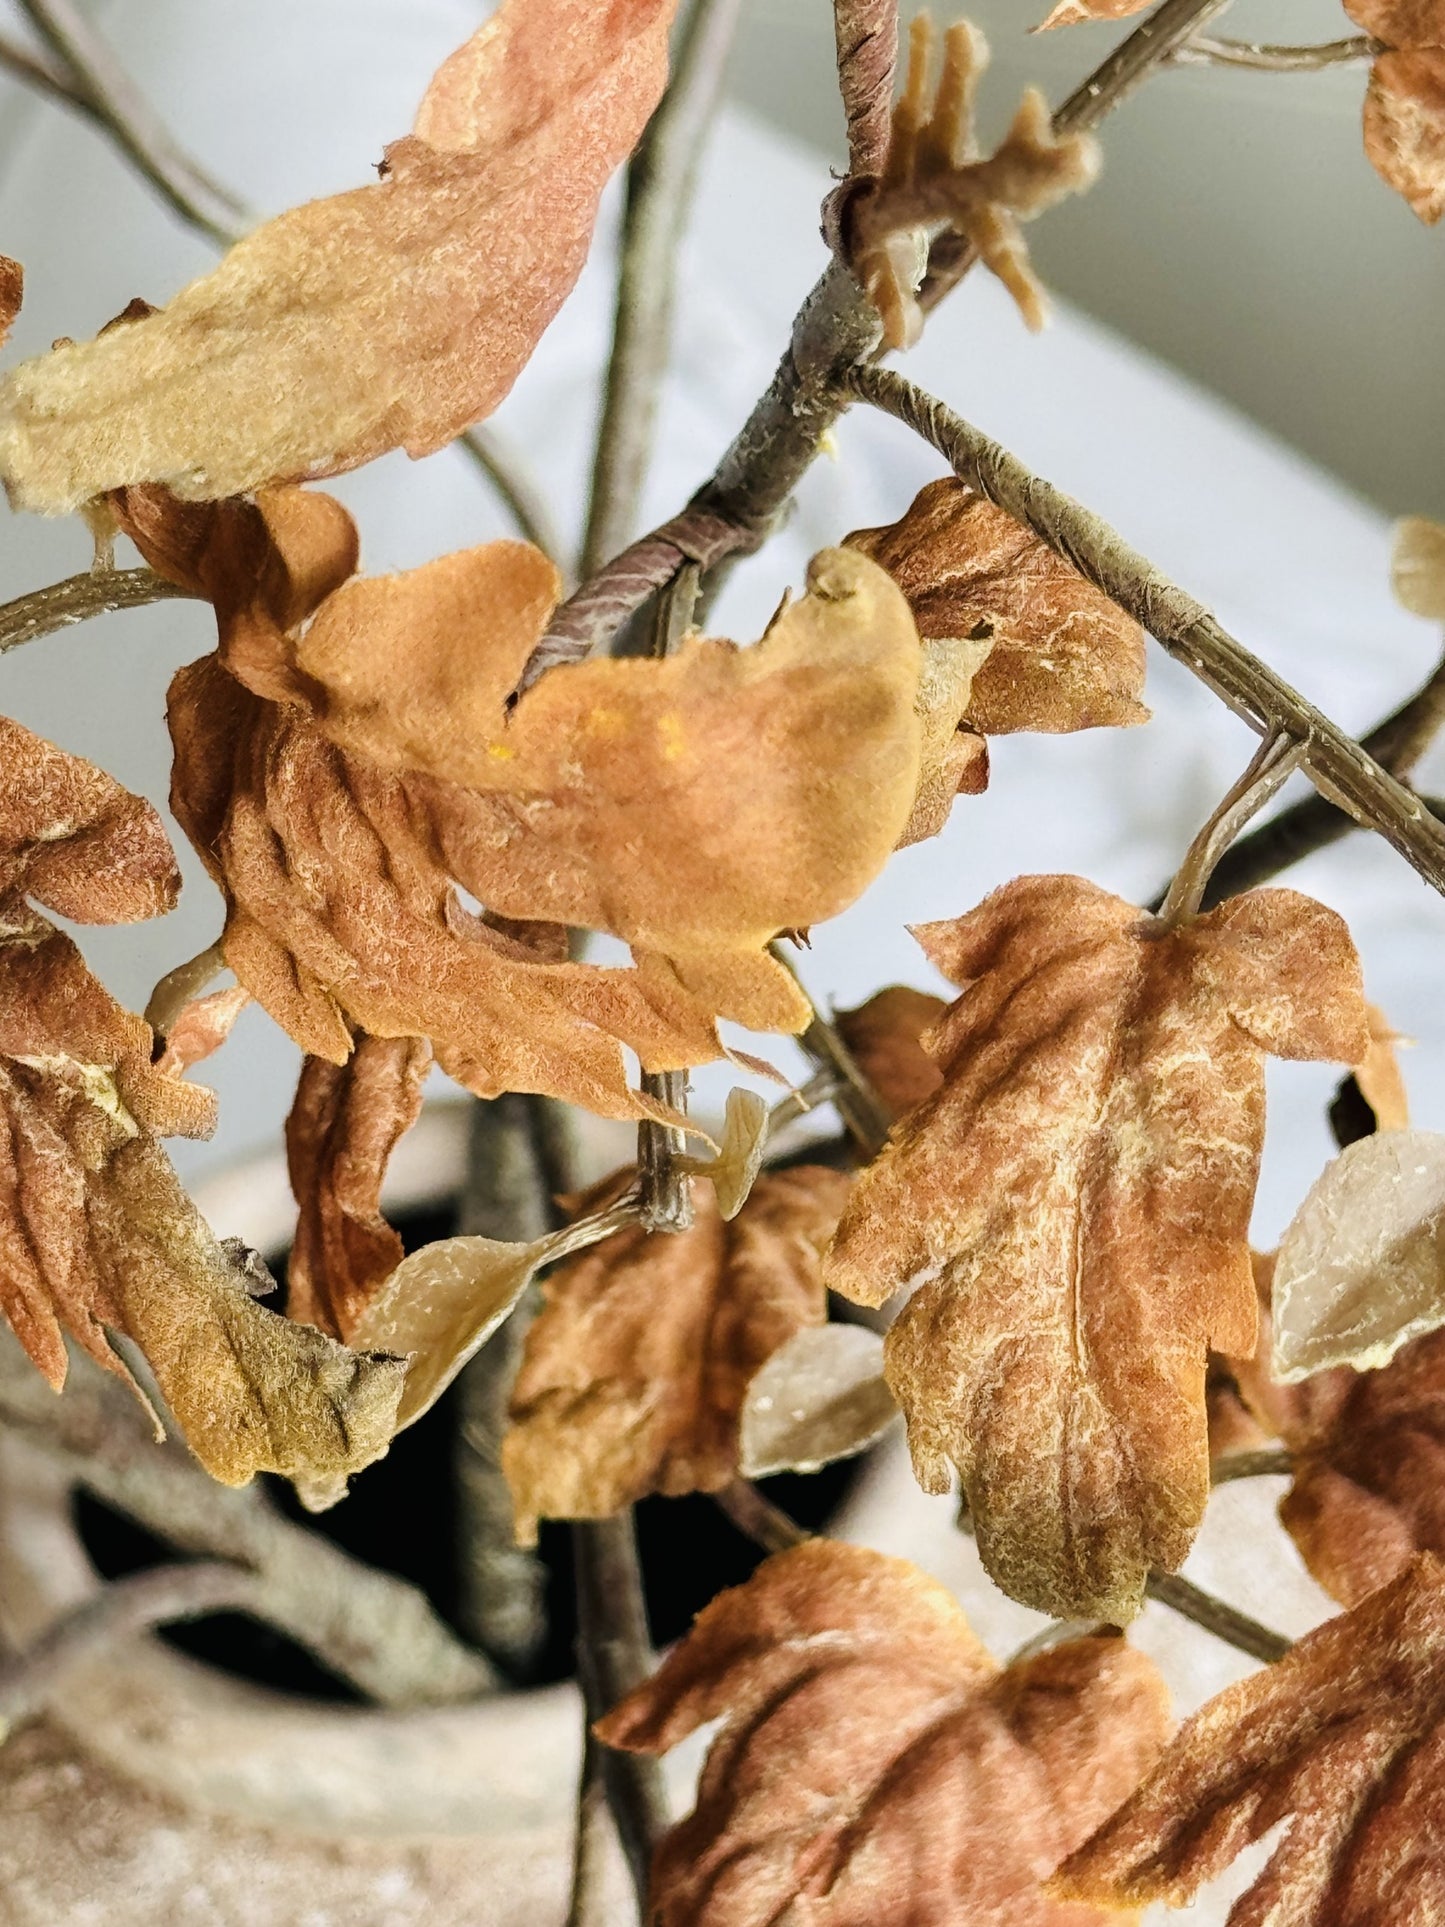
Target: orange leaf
[(389, 317), (1077, 1195), (1405, 127), (1342, 1740), (635, 1373), (12, 293), (874, 1763), (1070, 13)]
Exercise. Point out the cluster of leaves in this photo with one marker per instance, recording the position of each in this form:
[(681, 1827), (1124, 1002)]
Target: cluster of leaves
[(407, 828)]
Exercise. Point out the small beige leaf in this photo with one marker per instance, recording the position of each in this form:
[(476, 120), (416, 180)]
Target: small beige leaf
[(1361, 1270), (740, 1155), (822, 1396), (442, 1304), (1417, 566)]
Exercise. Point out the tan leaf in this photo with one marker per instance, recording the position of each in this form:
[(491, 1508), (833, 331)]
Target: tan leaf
[(733, 1169), (1070, 13), (635, 1371), (200, 1028), (1417, 566), (1400, 23), (442, 1304), (346, 1121), (1341, 1740), (12, 294), (875, 1765), (820, 1397), (96, 1234), (1062, 656), (1076, 1198), (1405, 127), (391, 316), (1361, 1269), (885, 1037)]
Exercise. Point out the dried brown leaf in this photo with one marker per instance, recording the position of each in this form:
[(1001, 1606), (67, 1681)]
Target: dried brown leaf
[(96, 1235), (875, 1764), (820, 1397), (391, 316), (1405, 127), (12, 294), (345, 1122), (1400, 23), (635, 1371), (1076, 1197), (885, 1038), (1342, 1740), (1062, 655)]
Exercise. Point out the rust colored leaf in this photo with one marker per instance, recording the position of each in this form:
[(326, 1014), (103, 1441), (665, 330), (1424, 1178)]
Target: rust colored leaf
[(96, 1235), (391, 316), (635, 1371), (201, 1026), (1062, 655), (874, 1763), (12, 293), (346, 1121), (1405, 127), (1077, 1198), (1342, 1740), (1400, 23), (885, 1037)]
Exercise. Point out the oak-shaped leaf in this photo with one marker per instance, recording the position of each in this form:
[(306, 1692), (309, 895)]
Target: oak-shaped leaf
[(885, 1039), (1341, 1740), (635, 1371), (97, 1236), (1062, 656), (875, 1764), (388, 317), (1076, 1199), (344, 1124)]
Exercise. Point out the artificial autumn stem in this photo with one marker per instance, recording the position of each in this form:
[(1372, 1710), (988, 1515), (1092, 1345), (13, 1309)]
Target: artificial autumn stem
[(1224, 1621), (1270, 1462), (766, 1524), (1203, 51), (588, 1902), (98, 592), (1337, 766), (1272, 765)]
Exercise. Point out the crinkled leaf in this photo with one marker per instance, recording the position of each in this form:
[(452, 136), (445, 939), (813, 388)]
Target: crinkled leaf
[(1417, 566), (1076, 1197), (1361, 1269), (635, 1371), (1342, 1740), (391, 316), (885, 1038), (345, 1122), (874, 1763), (1400, 23), (1062, 656), (1405, 127), (820, 1397)]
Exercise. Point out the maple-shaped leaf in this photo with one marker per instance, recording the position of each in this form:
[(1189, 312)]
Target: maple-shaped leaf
[(875, 1764), (345, 1122), (1341, 1740), (1062, 656), (391, 316), (1076, 1197), (885, 1039), (348, 759), (12, 294), (635, 1371)]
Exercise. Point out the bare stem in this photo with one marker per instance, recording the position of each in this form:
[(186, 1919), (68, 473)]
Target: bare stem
[(1270, 1462), (40, 75), (661, 180), (861, 1108), (1337, 766), (110, 97), (1271, 766), (1215, 1616), (587, 1906), (59, 605), (821, 1088), (766, 1524), (1203, 51), (515, 489), (614, 1654), (866, 35), (125, 1607)]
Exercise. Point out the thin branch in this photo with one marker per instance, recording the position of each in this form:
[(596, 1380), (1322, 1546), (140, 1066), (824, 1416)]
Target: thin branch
[(866, 35), (1270, 1462), (515, 489), (1270, 768), (766, 1524), (861, 1108), (614, 1654), (1215, 1616), (59, 605), (112, 99), (176, 989), (1337, 766), (660, 182), (366, 1626), (821, 1088), (40, 75), (1397, 744), (587, 1906), (1203, 51), (119, 1611)]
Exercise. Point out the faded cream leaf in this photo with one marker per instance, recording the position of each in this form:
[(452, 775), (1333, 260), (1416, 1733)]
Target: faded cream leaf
[(1417, 566), (820, 1397), (733, 1170)]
